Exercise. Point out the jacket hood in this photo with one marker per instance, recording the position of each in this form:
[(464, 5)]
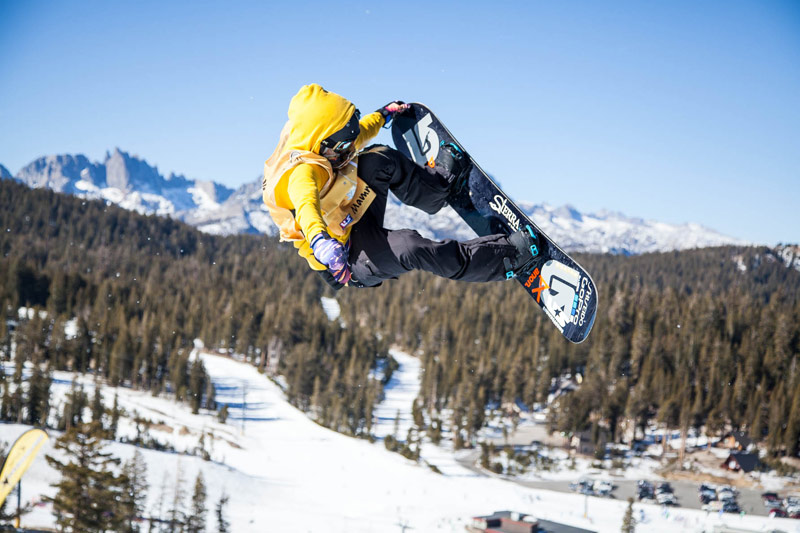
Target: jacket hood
[(315, 114)]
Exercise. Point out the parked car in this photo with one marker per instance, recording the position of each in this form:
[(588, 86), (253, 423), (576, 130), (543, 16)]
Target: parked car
[(706, 497), (730, 506), (770, 496), (581, 486), (707, 490), (603, 486), (663, 487), (707, 487), (713, 507), (773, 505), (666, 498), (644, 490), (777, 512)]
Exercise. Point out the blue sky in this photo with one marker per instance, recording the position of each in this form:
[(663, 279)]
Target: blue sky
[(674, 111)]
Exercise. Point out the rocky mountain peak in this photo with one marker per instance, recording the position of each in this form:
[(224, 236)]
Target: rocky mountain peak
[(132, 183), (128, 173), (61, 173), (123, 179)]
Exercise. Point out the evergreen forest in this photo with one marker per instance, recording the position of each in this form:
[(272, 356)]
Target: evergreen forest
[(705, 339)]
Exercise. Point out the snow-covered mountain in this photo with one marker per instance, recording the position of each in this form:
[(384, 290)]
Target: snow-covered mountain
[(132, 183), (577, 232), (124, 180)]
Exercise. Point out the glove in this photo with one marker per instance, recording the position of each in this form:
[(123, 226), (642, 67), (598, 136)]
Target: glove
[(390, 109), (333, 255), (330, 280)]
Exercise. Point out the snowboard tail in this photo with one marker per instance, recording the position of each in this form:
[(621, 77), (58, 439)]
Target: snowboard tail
[(560, 287)]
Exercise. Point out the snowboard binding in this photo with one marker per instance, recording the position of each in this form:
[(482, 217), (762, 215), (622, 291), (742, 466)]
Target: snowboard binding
[(454, 164), (528, 256)]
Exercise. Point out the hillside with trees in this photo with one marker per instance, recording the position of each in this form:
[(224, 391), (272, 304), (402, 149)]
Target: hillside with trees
[(142, 288), (707, 337)]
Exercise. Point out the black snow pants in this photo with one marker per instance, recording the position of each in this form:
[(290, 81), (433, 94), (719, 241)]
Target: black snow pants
[(377, 254)]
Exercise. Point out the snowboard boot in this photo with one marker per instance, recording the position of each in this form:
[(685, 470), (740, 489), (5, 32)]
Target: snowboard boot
[(454, 165), (528, 257)]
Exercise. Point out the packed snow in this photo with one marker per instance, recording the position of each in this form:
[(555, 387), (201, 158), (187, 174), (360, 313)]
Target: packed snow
[(286, 473), (399, 395)]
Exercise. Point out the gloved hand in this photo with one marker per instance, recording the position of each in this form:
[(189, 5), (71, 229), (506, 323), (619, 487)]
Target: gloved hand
[(390, 109), (333, 255)]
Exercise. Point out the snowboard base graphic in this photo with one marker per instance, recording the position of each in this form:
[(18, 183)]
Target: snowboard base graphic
[(560, 287)]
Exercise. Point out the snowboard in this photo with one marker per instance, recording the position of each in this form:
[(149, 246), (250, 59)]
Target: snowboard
[(561, 287)]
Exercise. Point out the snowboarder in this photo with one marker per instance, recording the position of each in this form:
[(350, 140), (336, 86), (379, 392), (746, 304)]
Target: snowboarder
[(327, 194)]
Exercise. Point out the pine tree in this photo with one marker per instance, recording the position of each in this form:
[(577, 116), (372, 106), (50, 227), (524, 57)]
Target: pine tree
[(89, 489), (37, 399), (5, 338), (157, 514), (115, 414), (628, 521), (176, 515), (74, 405), (134, 494), (210, 401), (197, 379), (97, 405), (223, 526), (222, 414), (791, 437), (196, 522), (5, 402), (776, 419), (16, 410), (120, 357), (16, 397)]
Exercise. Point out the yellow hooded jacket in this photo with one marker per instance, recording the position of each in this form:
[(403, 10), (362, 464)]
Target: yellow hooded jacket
[(296, 176)]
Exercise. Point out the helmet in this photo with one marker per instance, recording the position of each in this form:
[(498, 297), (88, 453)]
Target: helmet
[(340, 147)]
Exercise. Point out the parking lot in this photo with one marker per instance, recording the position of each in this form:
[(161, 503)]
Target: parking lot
[(685, 492)]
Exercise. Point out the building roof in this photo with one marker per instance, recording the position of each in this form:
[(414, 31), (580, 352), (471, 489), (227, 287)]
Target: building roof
[(746, 461), (741, 438), (545, 526), (542, 526)]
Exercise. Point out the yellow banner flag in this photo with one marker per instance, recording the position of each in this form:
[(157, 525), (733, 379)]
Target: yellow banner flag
[(19, 459)]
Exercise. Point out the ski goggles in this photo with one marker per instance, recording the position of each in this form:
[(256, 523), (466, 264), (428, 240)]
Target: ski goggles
[(340, 147), (343, 141)]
